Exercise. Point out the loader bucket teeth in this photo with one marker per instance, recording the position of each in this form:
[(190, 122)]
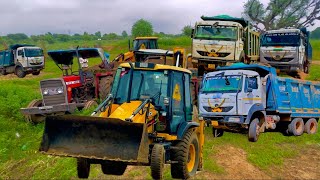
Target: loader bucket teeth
[(95, 138)]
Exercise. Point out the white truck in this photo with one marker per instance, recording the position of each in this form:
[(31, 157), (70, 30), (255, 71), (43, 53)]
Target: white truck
[(288, 50), (223, 39), (21, 59)]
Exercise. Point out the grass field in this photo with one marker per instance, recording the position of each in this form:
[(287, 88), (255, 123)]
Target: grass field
[(273, 155)]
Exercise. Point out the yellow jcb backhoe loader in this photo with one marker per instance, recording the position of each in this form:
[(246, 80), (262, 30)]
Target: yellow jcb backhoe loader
[(148, 119)]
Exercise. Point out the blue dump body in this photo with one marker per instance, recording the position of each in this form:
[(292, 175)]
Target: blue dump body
[(291, 96), (6, 58)]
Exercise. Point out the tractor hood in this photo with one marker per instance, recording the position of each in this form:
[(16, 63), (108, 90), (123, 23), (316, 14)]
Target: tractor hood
[(66, 56)]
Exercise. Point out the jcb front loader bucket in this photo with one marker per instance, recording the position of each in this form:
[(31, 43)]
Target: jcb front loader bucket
[(95, 138)]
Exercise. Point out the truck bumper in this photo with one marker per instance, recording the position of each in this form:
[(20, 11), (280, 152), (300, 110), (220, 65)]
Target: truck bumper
[(227, 122), (33, 68), (51, 109)]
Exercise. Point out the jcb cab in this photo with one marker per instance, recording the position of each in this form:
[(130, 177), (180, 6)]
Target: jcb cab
[(148, 119)]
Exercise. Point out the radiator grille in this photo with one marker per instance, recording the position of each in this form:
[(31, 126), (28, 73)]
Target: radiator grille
[(53, 99)]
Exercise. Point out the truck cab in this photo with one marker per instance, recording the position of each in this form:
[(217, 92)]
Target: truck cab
[(220, 40), (229, 95), (29, 57), (288, 50)]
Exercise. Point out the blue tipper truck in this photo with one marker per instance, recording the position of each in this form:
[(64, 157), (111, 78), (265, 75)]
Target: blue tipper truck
[(253, 98), (21, 59)]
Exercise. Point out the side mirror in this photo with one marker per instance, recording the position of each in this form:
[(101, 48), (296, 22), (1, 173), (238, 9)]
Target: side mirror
[(249, 90)]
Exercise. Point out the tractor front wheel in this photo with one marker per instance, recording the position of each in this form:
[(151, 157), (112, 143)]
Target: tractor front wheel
[(34, 118), (186, 156), (83, 167)]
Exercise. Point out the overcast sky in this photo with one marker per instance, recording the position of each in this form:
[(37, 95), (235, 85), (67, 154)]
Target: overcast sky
[(78, 16)]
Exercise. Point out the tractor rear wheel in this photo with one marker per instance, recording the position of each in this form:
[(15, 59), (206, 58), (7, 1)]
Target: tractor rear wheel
[(296, 127), (311, 126), (105, 86), (34, 118), (113, 168), (157, 161), (20, 73), (83, 167), (186, 154)]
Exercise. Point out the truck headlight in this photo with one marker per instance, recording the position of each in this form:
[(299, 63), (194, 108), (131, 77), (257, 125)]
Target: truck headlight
[(234, 119), (45, 92)]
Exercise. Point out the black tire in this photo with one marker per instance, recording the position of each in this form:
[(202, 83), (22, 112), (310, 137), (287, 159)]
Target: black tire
[(113, 168), (254, 132), (157, 161), (19, 72), (36, 73), (34, 118), (311, 126), (90, 104), (83, 168), (105, 86), (217, 132), (296, 127), (3, 71), (186, 154)]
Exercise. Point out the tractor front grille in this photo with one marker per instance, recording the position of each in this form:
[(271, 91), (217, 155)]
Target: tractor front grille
[(53, 92)]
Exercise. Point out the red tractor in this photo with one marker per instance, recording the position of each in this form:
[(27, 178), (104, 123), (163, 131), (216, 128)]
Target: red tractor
[(77, 89)]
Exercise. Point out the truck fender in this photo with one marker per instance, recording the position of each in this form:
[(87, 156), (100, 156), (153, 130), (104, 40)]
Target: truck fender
[(183, 128), (17, 65), (255, 108)]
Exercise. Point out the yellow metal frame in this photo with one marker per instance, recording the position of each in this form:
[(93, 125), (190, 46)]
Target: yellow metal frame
[(158, 67)]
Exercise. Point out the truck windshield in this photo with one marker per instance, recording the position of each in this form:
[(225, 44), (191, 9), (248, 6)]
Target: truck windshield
[(222, 84), (216, 32), (281, 39), (33, 52), (145, 84)]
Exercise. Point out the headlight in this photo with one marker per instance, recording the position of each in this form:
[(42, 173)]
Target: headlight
[(45, 92), (60, 90)]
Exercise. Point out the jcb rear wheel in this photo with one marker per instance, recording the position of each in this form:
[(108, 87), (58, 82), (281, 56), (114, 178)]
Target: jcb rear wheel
[(157, 161), (113, 168), (34, 118), (105, 86), (83, 168), (186, 154)]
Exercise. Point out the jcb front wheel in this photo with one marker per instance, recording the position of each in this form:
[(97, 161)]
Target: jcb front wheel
[(157, 161), (83, 167), (186, 156)]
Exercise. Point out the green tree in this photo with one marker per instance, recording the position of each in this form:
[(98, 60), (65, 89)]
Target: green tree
[(124, 34), (282, 13), (18, 37), (316, 33), (142, 28), (187, 30), (98, 34)]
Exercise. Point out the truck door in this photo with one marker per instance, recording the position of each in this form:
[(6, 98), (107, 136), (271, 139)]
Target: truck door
[(19, 55), (252, 90), (302, 50)]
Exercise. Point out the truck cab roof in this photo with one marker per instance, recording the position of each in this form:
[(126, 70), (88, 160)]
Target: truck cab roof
[(16, 46), (262, 70), (241, 21)]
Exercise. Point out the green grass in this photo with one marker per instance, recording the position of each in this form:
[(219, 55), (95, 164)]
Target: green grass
[(19, 141)]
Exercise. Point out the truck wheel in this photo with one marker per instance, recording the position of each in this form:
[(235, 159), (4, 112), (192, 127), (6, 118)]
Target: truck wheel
[(83, 167), (34, 118), (157, 161), (296, 127), (113, 168), (186, 154), (3, 71), (20, 73), (36, 73), (217, 132), (90, 104), (311, 126), (254, 130), (105, 86), (306, 67)]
